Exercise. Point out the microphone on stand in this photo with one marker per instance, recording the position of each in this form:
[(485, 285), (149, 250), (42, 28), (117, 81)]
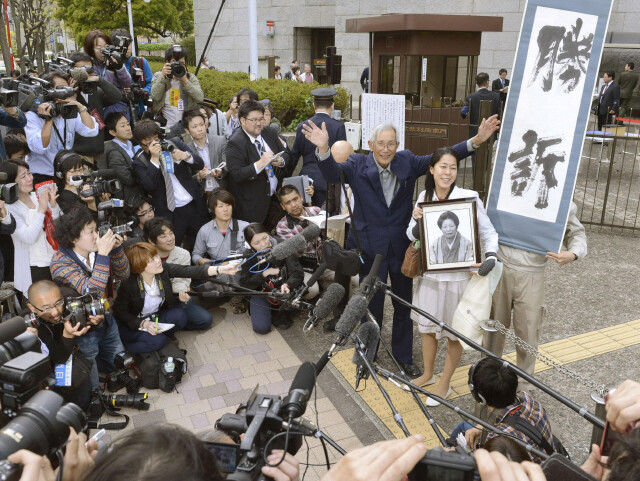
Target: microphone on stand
[(369, 334), (300, 391), (325, 305), (288, 248), (355, 309), (302, 290)]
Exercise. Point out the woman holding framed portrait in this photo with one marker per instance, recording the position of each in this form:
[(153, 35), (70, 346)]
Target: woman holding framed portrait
[(451, 222)]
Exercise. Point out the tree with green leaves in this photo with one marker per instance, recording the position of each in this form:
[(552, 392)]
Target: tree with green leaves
[(161, 18)]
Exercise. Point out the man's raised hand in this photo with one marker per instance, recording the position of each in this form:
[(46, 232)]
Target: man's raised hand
[(317, 136), (486, 129)]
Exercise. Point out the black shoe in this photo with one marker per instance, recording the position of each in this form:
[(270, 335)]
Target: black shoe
[(284, 324), (330, 325), (411, 370)]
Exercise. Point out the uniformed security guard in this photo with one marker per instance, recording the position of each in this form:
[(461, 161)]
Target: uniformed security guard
[(323, 106)]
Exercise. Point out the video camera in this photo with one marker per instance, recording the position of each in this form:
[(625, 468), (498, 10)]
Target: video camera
[(99, 183), (114, 55), (106, 218), (9, 95), (89, 304), (260, 423), (33, 91), (178, 69), (8, 191), (59, 64)]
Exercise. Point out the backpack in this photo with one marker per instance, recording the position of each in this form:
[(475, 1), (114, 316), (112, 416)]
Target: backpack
[(149, 363), (533, 433)]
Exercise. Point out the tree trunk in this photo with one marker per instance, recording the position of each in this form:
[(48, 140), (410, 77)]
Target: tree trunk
[(4, 44)]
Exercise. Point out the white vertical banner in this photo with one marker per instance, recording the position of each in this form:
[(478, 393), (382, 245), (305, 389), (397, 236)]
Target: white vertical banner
[(380, 109)]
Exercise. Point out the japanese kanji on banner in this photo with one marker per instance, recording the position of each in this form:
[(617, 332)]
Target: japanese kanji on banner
[(545, 120)]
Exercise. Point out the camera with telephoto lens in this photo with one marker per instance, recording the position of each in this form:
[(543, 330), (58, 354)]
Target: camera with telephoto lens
[(178, 69), (89, 304), (22, 371), (100, 402), (260, 423), (114, 55), (107, 218), (42, 426), (137, 92), (8, 191), (120, 378)]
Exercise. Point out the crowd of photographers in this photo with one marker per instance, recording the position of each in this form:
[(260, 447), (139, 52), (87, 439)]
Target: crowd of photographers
[(124, 194)]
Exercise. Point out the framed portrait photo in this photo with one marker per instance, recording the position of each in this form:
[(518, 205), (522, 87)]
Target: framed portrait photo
[(449, 235)]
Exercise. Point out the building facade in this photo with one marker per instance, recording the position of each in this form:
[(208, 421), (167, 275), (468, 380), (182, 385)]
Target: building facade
[(302, 29)]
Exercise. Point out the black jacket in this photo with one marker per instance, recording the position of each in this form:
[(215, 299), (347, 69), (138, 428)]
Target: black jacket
[(7, 230), (473, 102), (60, 347), (107, 94), (609, 99), (116, 158), (294, 275), (250, 190), (496, 86), (130, 299), (152, 180)]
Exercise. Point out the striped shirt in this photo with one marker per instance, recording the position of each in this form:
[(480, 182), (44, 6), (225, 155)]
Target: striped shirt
[(530, 411)]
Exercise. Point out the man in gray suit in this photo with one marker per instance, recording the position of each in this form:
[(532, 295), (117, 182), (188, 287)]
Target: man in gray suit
[(208, 146), (627, 81)]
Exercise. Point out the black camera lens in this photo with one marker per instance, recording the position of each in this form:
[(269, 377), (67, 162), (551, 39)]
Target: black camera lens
[(178, 69), (42, 426)]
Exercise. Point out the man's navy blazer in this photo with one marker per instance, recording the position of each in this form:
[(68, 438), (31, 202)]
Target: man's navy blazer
[(379, 226), (303, 147), (152, 180)]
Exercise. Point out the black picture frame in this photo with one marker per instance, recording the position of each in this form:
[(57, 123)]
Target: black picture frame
[(435, 248)]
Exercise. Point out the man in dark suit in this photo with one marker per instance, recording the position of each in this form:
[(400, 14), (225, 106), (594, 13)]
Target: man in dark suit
[(628, 81), (609, 99), (168, 179), (500, 85), (323, 106), (472, 103), (253, 164), (383, 184)]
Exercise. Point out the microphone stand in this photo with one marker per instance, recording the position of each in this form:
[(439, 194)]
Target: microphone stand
[(397, 417), (423, 408), (582, 411), (315, 432), (390, 375)]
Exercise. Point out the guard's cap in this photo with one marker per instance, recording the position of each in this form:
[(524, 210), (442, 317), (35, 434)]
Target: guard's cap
[(324, 94), (209, 103)]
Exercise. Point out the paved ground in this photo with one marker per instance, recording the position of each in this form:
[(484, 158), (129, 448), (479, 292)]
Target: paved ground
[(228, 361)]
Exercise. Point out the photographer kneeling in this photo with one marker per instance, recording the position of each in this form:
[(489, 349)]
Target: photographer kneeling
[(148, 295), (86, 261), (58, 335)]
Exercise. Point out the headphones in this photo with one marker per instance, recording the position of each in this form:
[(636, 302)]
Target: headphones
[(479, 398), (57, 164)]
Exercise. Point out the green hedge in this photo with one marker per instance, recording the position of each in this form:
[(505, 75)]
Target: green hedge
[(291, 101)]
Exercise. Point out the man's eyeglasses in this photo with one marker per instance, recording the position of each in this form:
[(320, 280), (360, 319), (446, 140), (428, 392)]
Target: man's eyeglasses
[(44, 309), (255, 121), (389, 145)]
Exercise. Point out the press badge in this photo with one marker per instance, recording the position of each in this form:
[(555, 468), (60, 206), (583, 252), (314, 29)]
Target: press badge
[(180, 104), (168, 162), (174, 98), (63, 373), (209, 184)]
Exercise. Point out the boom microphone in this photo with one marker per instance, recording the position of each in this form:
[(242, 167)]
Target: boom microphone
[(12, 328), (288, 248), (354, 311), (325, 305), (79, 75), (311, 232), (369, 334), (300, 391), (322, 362)]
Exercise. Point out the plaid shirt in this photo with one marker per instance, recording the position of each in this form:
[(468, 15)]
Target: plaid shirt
[(532, 412), (290, 226)]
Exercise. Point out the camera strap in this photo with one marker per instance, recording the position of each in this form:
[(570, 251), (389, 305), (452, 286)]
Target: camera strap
[(158, 282), (55, 129), (112, 412)]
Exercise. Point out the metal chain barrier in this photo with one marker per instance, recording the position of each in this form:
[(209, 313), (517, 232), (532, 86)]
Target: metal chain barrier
[(601, 389)]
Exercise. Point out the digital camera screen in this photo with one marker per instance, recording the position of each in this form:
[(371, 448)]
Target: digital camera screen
[(226, 455)]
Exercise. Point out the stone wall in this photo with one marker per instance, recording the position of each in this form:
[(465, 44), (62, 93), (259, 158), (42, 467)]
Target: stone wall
[(229, 48)]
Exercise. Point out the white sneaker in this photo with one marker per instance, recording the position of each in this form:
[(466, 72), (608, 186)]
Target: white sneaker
[(433, 403)]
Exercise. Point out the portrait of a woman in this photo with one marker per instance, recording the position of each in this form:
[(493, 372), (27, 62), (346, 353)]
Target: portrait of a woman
[(451, 246)]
